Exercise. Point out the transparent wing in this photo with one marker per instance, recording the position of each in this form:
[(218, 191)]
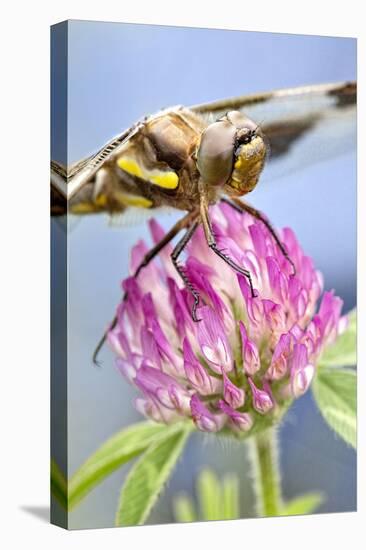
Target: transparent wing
[(303, 125), (135, 216)]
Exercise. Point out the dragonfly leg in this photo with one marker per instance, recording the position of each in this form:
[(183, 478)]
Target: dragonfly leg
[(183, 223), (211, 241), (241, 207), (180, 246)]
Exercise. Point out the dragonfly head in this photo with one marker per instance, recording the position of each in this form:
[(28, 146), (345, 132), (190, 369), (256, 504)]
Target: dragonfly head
[(231, 154)]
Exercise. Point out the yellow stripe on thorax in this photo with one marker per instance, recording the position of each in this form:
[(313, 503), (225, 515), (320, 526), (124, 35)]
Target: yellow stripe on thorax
[(130, 166), (101, 200), (83, 208), (161, 178), (133, 200), (167, 180)]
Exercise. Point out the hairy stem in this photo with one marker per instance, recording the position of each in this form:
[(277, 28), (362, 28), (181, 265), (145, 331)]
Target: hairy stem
[(266, 475)]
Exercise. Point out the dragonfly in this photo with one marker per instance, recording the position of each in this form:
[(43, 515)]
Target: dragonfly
[(191, 158)]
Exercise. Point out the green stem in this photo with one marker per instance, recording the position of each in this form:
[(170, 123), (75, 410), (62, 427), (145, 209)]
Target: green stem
[(266, 475)]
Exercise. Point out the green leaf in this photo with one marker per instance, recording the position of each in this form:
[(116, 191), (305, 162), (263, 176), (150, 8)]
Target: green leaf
[(217, 500), (306, 504), (209, 495), (147, 477), (116, 451), (343, 353), (183, 509), (335, 392), (230, 497), (58, 484)]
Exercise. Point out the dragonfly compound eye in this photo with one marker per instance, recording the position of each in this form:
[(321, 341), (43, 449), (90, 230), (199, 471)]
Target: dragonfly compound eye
[(239, 162), (241, 121), (215, 155)]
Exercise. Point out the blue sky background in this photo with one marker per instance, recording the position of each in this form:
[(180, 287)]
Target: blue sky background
[(118, 73)]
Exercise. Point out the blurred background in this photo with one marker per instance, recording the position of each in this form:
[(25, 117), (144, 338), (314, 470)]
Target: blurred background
[(117, 74)]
